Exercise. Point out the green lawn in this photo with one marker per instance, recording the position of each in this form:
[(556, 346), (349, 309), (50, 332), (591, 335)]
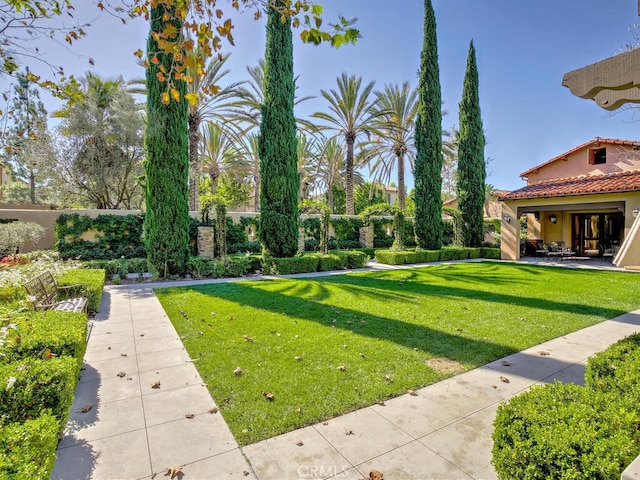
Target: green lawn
[(325, 346)]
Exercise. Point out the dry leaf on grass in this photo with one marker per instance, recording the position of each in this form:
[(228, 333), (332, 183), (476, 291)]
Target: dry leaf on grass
[(238, 371), (388, 378), (86, 408), (298, 359), (268, 396), (173, 472), (247, 338), (156, 384), (342, 368)]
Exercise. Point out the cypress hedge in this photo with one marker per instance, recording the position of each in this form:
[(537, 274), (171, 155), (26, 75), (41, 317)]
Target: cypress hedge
[(280, 180), (471, 163), (428, 139), (166, 227)]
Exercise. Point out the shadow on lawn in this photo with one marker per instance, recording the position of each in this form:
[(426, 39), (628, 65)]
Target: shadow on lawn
[(302, 298)]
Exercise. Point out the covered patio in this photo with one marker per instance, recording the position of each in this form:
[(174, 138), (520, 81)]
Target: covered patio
[(588, 215)]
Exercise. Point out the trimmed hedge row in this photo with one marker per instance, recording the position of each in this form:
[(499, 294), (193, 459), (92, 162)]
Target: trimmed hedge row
[(335, 260), (391, 257), (33, 333), (572, 432), (29, 448), (32, 386), (92, 278)]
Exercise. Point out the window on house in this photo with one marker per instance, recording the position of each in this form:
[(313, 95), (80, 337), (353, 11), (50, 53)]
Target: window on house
[(598, 156)]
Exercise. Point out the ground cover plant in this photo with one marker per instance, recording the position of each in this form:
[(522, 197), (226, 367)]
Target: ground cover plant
[(281, 354)]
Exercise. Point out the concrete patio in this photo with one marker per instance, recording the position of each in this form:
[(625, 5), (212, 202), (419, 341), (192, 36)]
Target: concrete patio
[(141, 408)]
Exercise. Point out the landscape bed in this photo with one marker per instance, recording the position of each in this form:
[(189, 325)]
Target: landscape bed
[(285, 353)]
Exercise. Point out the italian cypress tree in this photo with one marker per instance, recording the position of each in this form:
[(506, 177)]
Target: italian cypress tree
[(471, 163), (428, 139), (166, 227), (277, 144)]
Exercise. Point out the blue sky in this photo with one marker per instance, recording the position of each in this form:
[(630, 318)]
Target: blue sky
[(523, 48)]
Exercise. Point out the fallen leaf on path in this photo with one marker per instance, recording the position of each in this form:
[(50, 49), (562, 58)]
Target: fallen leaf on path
[(494, 386), (412, 393), (375, 475), (190, 415), (505, 363), (543, 353), (299, 443), (213, 410), (504, 379), (382, 404), (86, 408), (156, 384), (121, 374), (348, 432), (173, 472)]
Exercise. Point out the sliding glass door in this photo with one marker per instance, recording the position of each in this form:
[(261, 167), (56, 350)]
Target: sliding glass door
[(593, 232)]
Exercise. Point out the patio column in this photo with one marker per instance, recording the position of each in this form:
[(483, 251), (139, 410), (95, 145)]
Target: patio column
[(509, 232)]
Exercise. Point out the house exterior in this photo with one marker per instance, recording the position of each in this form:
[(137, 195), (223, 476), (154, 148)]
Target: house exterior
[(587, 198)]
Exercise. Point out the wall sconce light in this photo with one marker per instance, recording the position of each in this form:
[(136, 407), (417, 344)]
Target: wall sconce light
[(553, 218), (506, 218), (635, 212)]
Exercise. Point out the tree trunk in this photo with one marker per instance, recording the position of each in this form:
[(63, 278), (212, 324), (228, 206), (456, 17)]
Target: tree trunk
[(349, 174), (330, 197), (194, 162), (401, 186)]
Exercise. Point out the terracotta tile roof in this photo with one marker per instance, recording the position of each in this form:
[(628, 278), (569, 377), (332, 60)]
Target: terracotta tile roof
[(582, 185), (595, 141)]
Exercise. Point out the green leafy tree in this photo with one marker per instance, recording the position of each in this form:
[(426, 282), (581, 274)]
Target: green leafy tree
[(166, 228), (329, 169), (352, 114), (277, 143), (471, 163), (27, 139), (102, 134), (428, 138), (397, 124)]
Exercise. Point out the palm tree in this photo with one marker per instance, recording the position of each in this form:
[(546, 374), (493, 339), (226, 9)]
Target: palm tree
[(307, 155), (249, 167), (352, 114), (209, 101), (330, 168), (219, 154), (397, 124), (248, 109)]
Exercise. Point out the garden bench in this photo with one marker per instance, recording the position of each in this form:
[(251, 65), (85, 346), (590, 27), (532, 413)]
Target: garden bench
[(47, 295)]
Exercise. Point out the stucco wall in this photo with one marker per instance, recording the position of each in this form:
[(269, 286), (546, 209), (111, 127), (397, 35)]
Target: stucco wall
[(619, 159)]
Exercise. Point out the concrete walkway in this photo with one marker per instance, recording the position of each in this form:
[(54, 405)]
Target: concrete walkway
[(121, 427)]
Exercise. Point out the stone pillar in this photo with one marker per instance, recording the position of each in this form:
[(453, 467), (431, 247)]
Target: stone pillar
[(366, 236), (205, 242), (301, 239)]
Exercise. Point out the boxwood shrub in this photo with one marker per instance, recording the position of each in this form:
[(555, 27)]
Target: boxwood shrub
[(93, 279), (31, 386), (389, 257), (565, 431), (489, 252), (285, 266), (202, 267), (236, 265), (356, 259), (29, 448), (573, 432), (331, 261), (62, 333)]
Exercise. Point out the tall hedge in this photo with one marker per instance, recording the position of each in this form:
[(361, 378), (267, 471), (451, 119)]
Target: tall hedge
[(471, 164), (428, 139), (166, 227), (280, 180)]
